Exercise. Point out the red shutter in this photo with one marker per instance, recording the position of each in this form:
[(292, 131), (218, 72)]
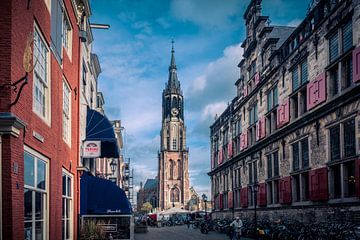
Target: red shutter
[(313, 188), (245, 139), (220, 201), (356, 64), (230, 199), (257, 78), (245, 91), (279, 116), (321, 87), (244, 197), (285, 190), (261, 197), (258, 130), (322, 174), (230, 152), (357, 177), (310, 95), (212, 159), (220, 157), (286, 111)]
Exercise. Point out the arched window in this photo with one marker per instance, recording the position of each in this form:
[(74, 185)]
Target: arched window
[(179, 169), (171, 169), (175, 195), (174, 103)]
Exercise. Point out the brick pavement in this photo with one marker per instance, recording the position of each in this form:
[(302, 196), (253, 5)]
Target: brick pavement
[(178, 233)]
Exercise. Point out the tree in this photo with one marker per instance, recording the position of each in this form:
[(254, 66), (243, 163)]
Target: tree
[(146, 207)]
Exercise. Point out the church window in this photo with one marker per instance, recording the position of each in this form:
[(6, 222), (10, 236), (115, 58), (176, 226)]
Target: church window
[(175, 195), (171, 169), (179, 169), (174, 103), (174, 144)]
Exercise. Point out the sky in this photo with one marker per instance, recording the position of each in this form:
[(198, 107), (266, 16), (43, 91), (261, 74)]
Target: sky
[(135, 55)]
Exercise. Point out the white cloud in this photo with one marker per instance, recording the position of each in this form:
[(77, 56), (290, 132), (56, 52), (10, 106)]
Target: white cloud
[(213, 109)]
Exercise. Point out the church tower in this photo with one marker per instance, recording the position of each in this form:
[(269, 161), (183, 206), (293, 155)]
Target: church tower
[(173, 175)]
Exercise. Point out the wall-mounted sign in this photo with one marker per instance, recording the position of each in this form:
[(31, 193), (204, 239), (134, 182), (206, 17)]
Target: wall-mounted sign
[(92, 149)]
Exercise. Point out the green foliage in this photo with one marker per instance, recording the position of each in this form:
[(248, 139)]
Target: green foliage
[(146, 207), (92, 230)]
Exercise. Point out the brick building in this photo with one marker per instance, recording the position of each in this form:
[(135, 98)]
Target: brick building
[(293, 130), (147, 193)]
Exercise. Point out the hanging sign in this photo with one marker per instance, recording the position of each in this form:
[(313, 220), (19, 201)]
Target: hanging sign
[(92, 149)]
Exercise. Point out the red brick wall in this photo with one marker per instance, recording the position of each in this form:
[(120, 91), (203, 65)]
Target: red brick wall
[(59, 153)]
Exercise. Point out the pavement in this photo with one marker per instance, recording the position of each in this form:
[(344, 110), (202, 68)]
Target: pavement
[(179, 233)]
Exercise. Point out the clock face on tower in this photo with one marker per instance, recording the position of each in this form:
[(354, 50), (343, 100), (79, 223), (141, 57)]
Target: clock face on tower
[(174, 112)]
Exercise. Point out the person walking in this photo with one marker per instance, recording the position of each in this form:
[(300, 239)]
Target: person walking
[(236, 226)]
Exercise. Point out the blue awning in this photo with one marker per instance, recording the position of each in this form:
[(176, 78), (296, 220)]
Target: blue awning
[(101, 196), (99, 128)]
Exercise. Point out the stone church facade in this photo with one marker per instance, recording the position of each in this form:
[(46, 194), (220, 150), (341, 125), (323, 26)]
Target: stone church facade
[(293, 131), (173, 175)]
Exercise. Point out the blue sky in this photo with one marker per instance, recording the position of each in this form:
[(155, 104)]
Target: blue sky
[(135, 54)]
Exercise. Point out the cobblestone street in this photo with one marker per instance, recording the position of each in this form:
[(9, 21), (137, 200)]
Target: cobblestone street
[(178, 233)]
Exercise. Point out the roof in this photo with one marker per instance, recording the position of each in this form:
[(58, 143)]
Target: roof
[(150, 184), (282, 33)]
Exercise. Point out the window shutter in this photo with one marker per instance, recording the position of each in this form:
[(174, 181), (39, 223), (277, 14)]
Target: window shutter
[(245, 91), (230, 152), (258, 130), (212, 160), (244, 197), (261, 199), (313, 188), (245, 139), (321, 88), (230, 199), (322, 174), (310, 95), (286, 111), (220, 156), (356, 64), (287, 189), (279, 116), (357, 177), (257, 78)]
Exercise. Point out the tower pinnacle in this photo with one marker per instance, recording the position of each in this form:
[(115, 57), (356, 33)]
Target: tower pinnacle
[(173, 84)]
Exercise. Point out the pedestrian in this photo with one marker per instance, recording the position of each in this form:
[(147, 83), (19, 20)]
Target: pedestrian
[(236, 226)]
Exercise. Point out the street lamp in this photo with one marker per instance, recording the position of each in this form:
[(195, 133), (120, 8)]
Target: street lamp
[(255, 189), (204, 197)]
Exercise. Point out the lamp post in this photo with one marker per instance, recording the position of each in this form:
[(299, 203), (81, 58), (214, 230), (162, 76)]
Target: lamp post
[(255, 189), (204, 198)]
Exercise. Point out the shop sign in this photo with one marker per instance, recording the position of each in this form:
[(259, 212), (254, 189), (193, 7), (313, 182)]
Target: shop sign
[(92, 149)]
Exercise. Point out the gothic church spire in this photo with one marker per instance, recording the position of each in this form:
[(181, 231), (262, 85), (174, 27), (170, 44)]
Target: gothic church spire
[(173, 85)]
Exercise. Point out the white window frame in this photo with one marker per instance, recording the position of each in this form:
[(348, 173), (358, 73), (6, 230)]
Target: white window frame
[(40, 157), (67, 34), (70, 198), (66, 116), (46, 117)]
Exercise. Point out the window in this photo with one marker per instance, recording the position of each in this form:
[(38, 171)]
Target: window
[(174, 144), (333, 47), (300, 154), (342, 180), (175, 195), (341, 73), (171, 169), (299, 103), (35, 196), (295, 79), (299, 75), (66, 113), (41, 94), (179, 169), (67, 35), (272, 190), (67, 206), (272, 98), (57, 20), (253, 115), (342, 140)]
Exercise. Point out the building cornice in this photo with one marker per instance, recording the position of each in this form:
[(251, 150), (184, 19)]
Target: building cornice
[(10, 124)]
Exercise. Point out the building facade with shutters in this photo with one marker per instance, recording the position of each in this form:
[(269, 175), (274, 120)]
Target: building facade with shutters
[(293, 129)]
